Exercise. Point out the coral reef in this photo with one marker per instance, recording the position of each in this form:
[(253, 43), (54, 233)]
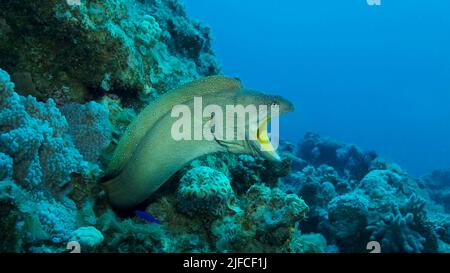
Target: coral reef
[(62, 201), (355, 197), (75, 51), (334, 199), (83, 70), (260, 220)]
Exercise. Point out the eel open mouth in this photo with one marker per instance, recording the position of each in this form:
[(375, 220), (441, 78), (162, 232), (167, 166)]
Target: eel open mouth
[(264, 140)]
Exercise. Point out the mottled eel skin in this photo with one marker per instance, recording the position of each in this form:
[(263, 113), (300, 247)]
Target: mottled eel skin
[(147, 155)]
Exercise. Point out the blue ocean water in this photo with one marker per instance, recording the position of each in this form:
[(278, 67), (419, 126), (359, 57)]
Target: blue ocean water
[(375, 76)]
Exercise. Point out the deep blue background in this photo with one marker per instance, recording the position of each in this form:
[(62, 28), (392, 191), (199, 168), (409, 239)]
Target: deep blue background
[(378, 77)]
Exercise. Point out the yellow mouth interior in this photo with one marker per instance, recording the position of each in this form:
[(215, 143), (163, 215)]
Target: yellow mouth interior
[(263, 138), (262, 135)]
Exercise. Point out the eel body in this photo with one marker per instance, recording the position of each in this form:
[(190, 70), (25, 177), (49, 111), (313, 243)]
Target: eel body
[(148, 155)]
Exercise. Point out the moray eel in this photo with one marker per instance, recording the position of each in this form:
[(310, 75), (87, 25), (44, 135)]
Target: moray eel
[(147, 154)]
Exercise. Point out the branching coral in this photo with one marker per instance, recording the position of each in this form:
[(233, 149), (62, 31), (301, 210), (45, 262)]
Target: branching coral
[(34, 134), (395, 234), (38, 162), (57, 219)]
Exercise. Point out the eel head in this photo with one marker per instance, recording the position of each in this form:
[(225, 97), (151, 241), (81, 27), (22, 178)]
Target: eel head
[(257, 141)]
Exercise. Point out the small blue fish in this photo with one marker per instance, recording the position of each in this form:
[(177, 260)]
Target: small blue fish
[(147, 217)]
